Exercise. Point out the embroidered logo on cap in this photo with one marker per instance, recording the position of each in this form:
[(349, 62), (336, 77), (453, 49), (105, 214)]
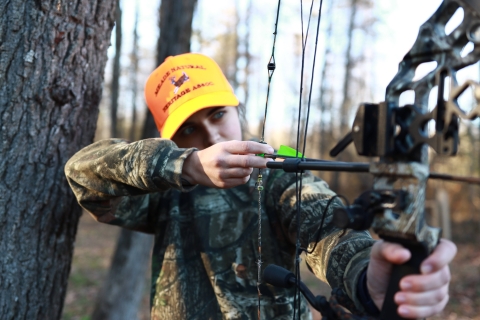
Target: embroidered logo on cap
[(178, 83)]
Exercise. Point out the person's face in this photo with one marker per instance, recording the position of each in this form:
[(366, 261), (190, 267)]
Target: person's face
[(208, 127)]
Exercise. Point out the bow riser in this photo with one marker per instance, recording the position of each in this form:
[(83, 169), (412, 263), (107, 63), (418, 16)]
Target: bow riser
[(399, 136)]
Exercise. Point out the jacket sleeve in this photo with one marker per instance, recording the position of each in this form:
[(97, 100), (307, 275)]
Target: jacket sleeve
[(340, 256), (118, 182)]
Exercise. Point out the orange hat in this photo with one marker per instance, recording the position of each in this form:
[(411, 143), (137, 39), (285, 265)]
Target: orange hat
[(183, 85)]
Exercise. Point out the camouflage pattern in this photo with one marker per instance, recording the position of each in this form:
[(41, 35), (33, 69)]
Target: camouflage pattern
[(205, 253)]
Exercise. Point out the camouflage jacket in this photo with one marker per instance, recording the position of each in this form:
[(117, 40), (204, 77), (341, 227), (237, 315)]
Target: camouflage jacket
[(205, 253)]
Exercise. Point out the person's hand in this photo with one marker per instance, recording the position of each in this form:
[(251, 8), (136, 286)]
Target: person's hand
[(225, 164), (421, 295)]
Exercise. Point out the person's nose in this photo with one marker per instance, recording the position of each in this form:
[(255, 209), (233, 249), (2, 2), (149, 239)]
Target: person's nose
[(212, 136)]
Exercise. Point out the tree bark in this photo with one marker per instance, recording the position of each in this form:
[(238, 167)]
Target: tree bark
[(175, 32), (52, 59)]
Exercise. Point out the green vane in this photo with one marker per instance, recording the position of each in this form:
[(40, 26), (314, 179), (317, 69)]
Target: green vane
[(284, 151), (288, 152)]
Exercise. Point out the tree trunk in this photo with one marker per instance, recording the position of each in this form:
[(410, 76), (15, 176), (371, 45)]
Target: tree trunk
[(247, 56), (134, 75), (126, 278), (346, 106), (175, 32), (122, 292), (325, 85), (115, 84), (52, 59)]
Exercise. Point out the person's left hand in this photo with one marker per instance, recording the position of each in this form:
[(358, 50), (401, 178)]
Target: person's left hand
[(421, 295)]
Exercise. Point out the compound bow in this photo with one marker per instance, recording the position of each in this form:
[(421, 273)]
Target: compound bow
[(399, 136)]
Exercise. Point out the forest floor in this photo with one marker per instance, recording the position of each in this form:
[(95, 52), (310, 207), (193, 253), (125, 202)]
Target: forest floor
[(95, 244)]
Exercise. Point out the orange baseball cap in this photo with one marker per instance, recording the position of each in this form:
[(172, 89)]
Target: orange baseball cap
[(183, 85)]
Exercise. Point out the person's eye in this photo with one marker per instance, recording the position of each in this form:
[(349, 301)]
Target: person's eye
[(219, 114), (188, 130)]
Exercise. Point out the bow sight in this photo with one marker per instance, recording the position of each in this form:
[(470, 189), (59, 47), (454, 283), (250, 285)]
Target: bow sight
[(399, 136)]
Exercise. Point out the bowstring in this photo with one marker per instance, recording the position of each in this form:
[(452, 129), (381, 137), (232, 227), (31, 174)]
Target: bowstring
[(270, 68), (311, 77), (298, 184)]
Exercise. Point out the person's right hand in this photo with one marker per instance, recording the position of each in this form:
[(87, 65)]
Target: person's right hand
[(225, 164)]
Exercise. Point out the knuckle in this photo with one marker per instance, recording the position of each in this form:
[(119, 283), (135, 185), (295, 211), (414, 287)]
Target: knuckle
[(219, 162), (451, 246), (445, 301), (245, 146), (439, 296), (245, 162), (445, 276), (449, 274), (242, 146), (438, 308)]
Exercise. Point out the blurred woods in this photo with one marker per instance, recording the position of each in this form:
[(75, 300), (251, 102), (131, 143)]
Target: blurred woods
[(240, 40)]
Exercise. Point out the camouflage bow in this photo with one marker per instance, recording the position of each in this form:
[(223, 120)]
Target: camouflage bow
[(399, 136)]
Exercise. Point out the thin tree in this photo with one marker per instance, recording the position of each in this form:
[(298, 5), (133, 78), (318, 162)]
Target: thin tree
[(121, 294), (134, 74), (52, 60), (175, 24), (346, 104), (324, 85), (246, 54), (126, 277), (115, 83), (127, 274)]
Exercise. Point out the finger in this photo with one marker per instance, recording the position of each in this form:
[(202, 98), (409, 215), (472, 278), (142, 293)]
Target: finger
[(426, 298), (440, 257), (426, 282), (236, 173), (246, 147), (414, 312), (391, 252), (246, 161), (230, 183)]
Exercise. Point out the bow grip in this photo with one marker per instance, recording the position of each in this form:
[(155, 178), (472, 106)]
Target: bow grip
[(419, 252)]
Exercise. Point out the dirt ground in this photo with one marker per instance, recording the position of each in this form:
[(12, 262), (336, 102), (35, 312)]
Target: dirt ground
[(95, 243)]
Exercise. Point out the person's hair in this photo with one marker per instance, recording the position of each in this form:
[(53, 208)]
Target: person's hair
[(242, 117)]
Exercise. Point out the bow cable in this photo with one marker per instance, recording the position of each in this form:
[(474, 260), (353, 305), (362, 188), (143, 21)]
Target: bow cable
[(259, 184), (298, 184)]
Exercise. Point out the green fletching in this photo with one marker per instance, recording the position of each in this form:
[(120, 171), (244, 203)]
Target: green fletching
[(288, 152)]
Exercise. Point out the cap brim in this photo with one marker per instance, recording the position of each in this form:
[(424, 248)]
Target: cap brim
[(181, 114)]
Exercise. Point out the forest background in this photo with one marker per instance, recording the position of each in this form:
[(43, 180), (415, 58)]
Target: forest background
[(360, 45)]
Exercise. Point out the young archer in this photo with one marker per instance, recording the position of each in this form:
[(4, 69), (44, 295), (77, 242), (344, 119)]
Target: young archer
[(193, 190)]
